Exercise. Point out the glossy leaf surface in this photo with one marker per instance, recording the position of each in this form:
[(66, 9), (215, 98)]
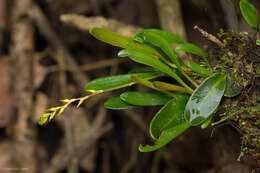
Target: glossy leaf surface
[(170, 87), (144, 99), (199, 69), (166, 137), (153, 62), (232, 89), (205, 99), (121, 41), (168, 116), (160, 42), (171, 38), (143, 70), (207, 122), (191, 48), (117, 81), (250, 13), (117, 103)]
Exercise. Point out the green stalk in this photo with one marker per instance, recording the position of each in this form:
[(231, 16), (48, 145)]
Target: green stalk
[(150, 84), (181, 70)]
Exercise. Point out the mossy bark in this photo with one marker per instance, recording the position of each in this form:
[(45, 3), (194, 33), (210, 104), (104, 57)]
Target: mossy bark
[(240, 59)]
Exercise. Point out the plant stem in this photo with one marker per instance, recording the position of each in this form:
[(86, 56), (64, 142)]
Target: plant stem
[(232, 114), (189, 78), (170, 87), (150, 84), (181, 70)]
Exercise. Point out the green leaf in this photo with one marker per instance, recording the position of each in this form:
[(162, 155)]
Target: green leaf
[(171, 38), (117, 103), (146, 59), (166, 137), (158, 41), (168, 116), (117, 81), (232, 89), (199, 69), (143, 70), (121, 41), (207, 122), (191, 48), (180, 60), (257, 42), (205, 99), (144, 99), (250, 13), (164, 86)]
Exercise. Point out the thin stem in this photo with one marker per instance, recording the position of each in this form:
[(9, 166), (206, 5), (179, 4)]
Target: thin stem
[(170, 87), (232, 114), (181, 70), (190, 79), (150, 84)]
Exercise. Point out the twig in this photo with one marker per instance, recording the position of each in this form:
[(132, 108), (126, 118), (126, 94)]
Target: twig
[(209, 36), (212, 38), (90, 66), (45, 28), (85, 23)]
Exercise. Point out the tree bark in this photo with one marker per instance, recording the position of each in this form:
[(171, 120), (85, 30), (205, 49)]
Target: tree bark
[(22, 50), (171, 17)]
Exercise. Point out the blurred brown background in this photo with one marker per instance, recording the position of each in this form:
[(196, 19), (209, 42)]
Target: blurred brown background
[(43, 60)]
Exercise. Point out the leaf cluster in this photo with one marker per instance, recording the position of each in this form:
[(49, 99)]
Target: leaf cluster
[(184, 102)]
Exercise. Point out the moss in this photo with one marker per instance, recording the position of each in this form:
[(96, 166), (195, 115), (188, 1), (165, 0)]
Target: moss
[(240, 59)]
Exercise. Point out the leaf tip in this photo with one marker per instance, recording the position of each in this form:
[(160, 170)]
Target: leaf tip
[(43, 119), (141, 148), (123, 53), (92, 30)]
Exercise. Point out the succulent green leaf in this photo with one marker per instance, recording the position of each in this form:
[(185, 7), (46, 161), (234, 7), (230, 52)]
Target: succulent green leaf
[(199, 69), (164, 86), (121, 41), (250, 13), (166, 137), (143, 70), (207, 122), (169, 37), (168, 116), (191, 48), (144, 99), (257, 42), (117, 81), (232, 89), (158, 41), (146, 59), (179, 59), (205, 99), (117, 103)]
